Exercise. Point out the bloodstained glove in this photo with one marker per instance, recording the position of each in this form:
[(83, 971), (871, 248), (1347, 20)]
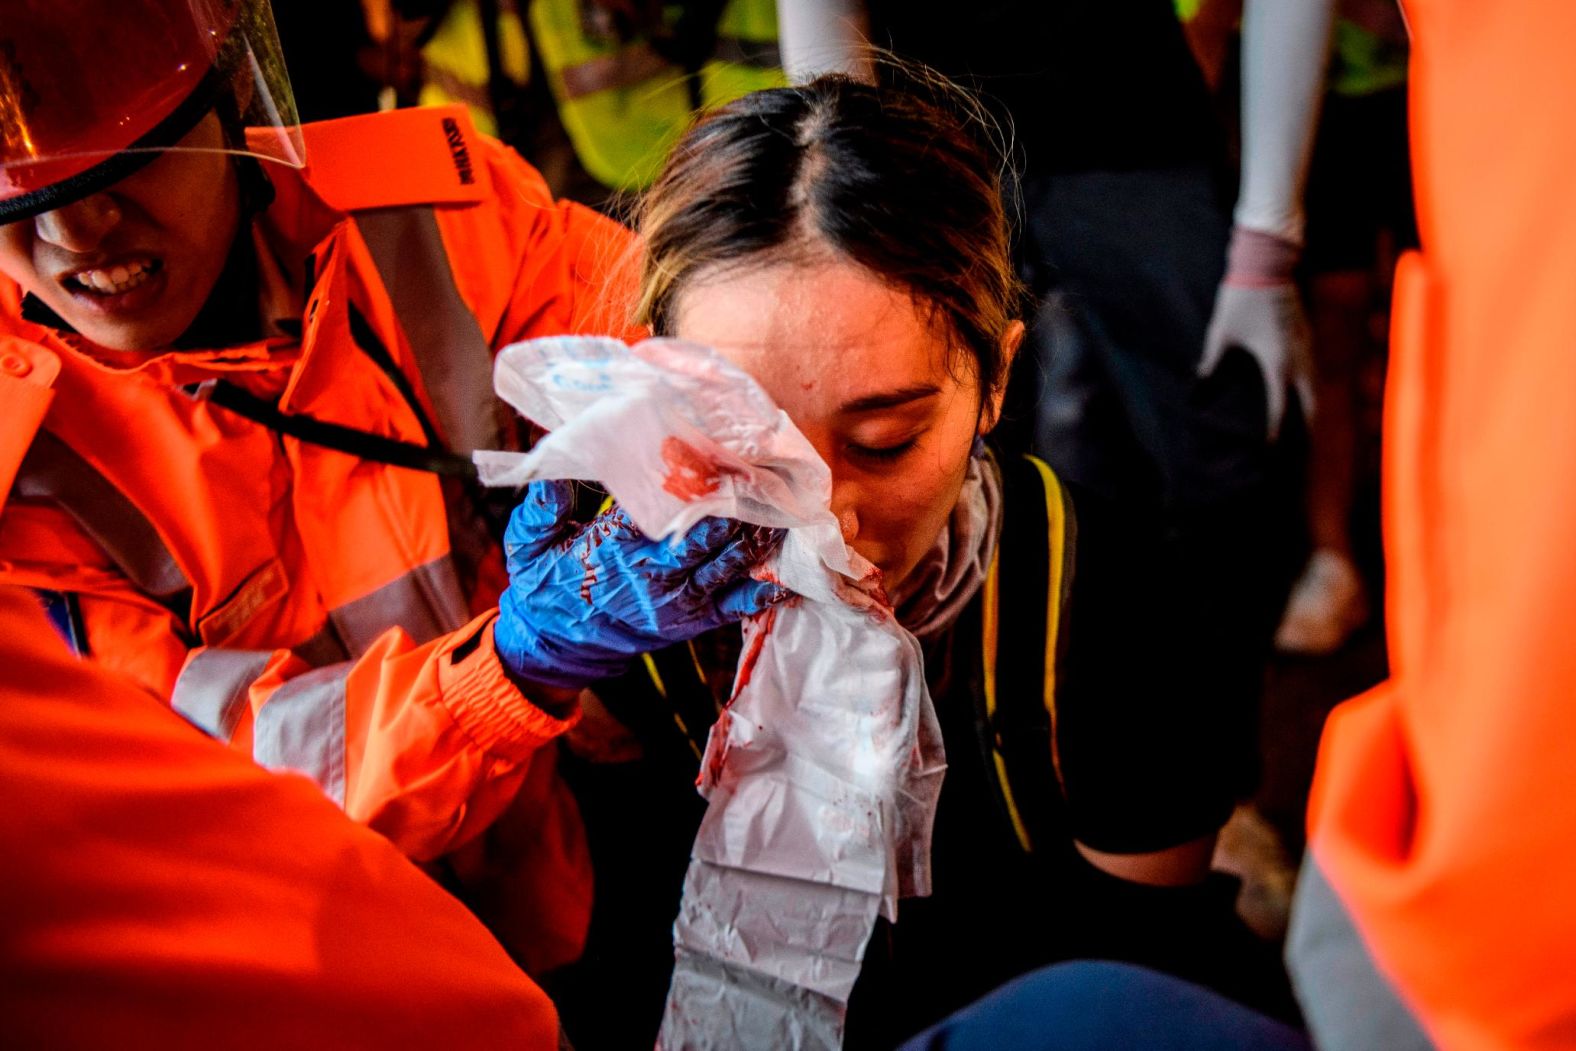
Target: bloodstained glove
[(1259, 310), (584, 599)]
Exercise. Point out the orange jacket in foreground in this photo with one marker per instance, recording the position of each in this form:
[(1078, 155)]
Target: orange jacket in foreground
[(323, 612), (161, 891), (1443, 821)]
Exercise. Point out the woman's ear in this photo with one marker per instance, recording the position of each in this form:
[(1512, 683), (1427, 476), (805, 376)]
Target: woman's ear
[(1011, 340)]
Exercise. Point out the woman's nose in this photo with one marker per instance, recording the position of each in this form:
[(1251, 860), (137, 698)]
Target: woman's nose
[(80, 226), (848, 519), (845, 505)]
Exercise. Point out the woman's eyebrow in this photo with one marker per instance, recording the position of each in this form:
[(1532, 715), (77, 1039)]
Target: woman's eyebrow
[(889, 399)]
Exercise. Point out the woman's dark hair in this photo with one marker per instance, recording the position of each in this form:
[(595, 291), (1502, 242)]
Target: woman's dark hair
[(905, 181)]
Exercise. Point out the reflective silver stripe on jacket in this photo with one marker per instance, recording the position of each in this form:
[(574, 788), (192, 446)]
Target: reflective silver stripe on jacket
[(302, 728), (426, 602), (451, 351), (52, 470), (212, 689)]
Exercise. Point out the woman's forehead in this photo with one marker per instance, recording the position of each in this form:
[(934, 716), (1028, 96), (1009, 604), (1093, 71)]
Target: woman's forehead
[(833, 323)]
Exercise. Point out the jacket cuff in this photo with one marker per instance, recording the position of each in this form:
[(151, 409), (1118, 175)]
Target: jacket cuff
[(485, 703)]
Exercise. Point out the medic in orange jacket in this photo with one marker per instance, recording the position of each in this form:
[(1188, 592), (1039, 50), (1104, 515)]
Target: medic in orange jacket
[(160, 891), (323, 610)]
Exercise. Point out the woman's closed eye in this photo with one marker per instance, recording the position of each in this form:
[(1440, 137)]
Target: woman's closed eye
[(882, 453)]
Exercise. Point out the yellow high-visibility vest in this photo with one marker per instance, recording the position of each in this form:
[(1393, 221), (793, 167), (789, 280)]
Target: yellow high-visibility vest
[(454, 60), (624, 105)]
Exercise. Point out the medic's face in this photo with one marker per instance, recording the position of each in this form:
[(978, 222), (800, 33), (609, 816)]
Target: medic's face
[(130, 267), (865, 372)]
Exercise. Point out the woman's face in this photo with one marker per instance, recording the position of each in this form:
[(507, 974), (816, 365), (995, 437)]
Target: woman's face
[(866, 373), (131, 266)]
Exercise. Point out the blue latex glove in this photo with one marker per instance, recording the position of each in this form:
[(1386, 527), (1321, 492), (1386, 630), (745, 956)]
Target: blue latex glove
[(584, 599)]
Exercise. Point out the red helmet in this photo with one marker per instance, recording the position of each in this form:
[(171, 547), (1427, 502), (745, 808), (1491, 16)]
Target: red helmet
[(90, 90)]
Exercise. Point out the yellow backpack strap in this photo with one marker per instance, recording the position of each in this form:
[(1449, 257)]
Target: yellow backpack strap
[(681, 680), (665, 701), (1022, 618)]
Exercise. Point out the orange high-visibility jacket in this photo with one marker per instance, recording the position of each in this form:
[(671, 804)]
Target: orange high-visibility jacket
[(161, 891), (1443, 821), (323, 612)]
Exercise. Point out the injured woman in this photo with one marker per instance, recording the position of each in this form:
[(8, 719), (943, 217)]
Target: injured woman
[(844, 246)]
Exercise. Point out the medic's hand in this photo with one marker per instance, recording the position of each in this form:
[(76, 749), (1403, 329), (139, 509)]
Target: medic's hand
[(1259, 310), (584, 599)]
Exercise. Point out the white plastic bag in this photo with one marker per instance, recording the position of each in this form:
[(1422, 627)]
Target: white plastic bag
[(823, 772)]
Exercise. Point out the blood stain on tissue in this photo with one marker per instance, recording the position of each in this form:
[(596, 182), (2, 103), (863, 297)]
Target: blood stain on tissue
[(718, 756), (753, 654), (691, 473), (871, 584)]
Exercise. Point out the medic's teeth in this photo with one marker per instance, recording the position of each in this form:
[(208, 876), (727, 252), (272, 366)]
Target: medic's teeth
[(122, 277)]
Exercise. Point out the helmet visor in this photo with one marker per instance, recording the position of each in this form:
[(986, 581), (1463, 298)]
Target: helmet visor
[(90, 92)]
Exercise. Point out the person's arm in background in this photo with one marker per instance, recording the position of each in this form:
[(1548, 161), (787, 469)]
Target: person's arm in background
[(161, 890), (823, 36), (1285, 50)]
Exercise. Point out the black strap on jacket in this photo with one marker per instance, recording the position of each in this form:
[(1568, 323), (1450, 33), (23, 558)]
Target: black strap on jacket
[(367, 446), (431, 457)]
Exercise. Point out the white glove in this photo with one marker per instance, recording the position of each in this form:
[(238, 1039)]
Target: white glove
[(1268, 322), (1285, 47)]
